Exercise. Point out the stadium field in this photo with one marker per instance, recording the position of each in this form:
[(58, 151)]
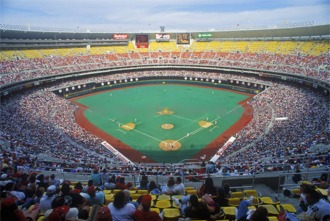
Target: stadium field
[(164, 122)]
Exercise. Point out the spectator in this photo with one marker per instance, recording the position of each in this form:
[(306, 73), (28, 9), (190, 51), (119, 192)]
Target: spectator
[(144, 183), (243, 208), (71, 198), (297, 176), (32, 198), (208, 188), (54, 181), (110, 184), (169, 187), (179, 188), (303, 204), (212, 206), (77, 188), (222, 197), (47, 199), (96, 177), (196, 209), (120, 184), (60, 211), (96, 196), (104, 176), (227, 191), (210, 167), (41, 181), (143, 212), (260, 214), (317, 207), (154, 188), (120, 209), (89, 184), (10, 190), (129, 198), (10, 211), (103, 214)]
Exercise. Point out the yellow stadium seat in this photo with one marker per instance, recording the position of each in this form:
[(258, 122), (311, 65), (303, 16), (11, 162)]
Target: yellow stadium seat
[(229, 212), (271, 209), (41, 218), (252, 207), (178, 196), (143, 192), (268, 200), (189, 188), (191, 192), (163, 197), (116, 191), (153, 197), (162, 204), (238, 194), (249, 193), (256, 201), (135, 196), (296, 191), (287, 207), (234, 201), (108, 198), (132, 191), (171, 213), (272, 218), (155, 209)]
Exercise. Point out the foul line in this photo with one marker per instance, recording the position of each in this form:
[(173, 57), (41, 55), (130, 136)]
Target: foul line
[(121, 131), (120, 124), (147, 135), (178, 116)]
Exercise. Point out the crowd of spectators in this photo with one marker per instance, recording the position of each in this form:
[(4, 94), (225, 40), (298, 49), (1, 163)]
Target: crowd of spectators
[(40, 122), (304, 65), (34, 196)]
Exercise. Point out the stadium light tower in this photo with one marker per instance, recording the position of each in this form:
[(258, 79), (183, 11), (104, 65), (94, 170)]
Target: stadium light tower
[(162, 29)]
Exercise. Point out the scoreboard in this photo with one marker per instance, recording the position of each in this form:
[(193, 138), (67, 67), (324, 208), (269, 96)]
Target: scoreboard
[(183, 38), (142, 41)]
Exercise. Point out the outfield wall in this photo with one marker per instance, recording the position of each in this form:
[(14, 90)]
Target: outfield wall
[(93, 87)]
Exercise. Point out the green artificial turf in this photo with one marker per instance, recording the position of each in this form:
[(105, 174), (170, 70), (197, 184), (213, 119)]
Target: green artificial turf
[(140, 105)]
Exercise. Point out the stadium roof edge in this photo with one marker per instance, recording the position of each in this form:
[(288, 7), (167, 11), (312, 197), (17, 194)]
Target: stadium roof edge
[(18, 32)]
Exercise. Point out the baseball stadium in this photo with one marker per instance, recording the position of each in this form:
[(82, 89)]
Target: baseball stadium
[(244, 107)]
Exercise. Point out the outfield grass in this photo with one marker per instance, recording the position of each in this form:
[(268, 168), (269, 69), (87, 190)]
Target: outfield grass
[(139, 109)]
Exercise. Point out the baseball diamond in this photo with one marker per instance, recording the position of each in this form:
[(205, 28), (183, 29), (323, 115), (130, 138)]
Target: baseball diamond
[(172, 122)]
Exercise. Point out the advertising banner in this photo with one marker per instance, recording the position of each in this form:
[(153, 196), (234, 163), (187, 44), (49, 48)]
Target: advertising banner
[(120, 36), (163, 37)]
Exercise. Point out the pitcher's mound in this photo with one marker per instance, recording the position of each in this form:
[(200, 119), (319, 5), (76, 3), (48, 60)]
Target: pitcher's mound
[(169, 145), (167, 126), (165, 111)]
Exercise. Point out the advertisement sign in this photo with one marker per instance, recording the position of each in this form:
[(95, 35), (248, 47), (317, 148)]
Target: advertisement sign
[(163, 37), (116, 153), (120, 36), (222, 149), (205, 35)]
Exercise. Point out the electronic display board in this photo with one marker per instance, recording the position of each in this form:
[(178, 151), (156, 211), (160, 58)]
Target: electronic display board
[(142, 41), (183, 38)]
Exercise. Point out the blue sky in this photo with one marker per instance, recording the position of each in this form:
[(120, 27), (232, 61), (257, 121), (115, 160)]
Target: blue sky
[(134, 15)]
